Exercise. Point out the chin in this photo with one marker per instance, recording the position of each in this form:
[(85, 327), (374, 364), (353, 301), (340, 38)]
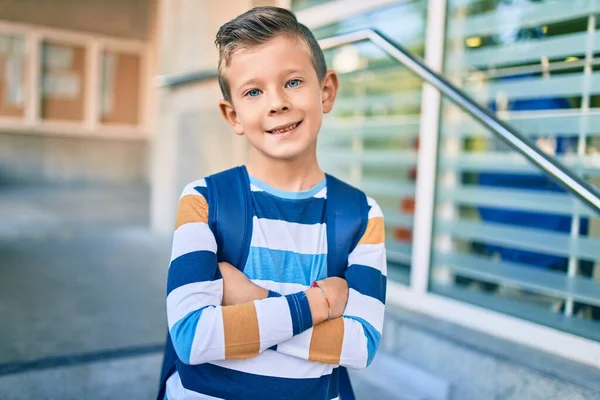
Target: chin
[(284, 156), (288, 154)]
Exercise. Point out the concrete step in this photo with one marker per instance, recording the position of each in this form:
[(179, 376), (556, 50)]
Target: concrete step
[(395, 378)]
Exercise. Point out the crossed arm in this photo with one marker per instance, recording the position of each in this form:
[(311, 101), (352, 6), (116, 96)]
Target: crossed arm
[(352, 338), (208, 322)]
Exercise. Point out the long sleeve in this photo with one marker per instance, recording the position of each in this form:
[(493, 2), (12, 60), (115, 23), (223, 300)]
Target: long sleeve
[(353, 339), (201, 329)]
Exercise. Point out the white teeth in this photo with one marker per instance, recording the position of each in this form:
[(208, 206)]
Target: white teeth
[(289, 128)]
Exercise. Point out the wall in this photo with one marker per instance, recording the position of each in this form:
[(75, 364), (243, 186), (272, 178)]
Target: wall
[(121, 18), (31, 159)]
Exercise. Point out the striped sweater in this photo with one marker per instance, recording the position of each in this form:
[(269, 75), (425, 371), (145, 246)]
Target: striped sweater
[(268, 348)]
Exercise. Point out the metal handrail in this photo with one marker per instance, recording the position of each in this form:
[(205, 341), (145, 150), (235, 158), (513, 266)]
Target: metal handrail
[(587, 192)]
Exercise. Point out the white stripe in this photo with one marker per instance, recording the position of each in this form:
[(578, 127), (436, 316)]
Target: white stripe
[(321, 194), (191, 297), (375, 210), (255, 188), (274, 321), (176, 391), (289, 236), (298, 346), (279, 287), (209, 338), (366, 307), (275, 364), (193, 236), (370, 255), (354, 347), (189, 188)]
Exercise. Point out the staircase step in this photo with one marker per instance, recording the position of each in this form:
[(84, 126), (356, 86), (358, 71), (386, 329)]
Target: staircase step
[(401, 380)]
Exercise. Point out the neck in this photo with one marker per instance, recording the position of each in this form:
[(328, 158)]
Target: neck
[(294, 175)]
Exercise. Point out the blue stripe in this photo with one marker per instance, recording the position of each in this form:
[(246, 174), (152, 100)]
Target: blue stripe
[(285, 266), (227, 383), (273, 294), (334, 384), (182, 334), (308, 211), (373, 337), (367, 281), (197, 266), (300, 312)]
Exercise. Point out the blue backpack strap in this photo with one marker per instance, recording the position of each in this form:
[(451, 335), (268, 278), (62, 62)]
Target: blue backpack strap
[(230, 214), (230, 219), (168, 367), (347, 214)]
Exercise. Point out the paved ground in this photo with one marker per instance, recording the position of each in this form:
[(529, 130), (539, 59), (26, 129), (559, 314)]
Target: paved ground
[(82, 295)]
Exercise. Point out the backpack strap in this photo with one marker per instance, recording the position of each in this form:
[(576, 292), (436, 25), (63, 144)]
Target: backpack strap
[(168, 366), (230, 214), (347, 215), (230, 219)]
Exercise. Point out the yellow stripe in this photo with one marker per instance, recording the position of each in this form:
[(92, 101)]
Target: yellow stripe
[(240, 324), (192, 208), (375, 232), (326, 341)]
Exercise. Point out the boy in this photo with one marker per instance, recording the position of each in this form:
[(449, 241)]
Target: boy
[(280, 328)]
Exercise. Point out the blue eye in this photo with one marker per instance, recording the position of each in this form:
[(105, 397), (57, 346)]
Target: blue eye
[(253, 93), (294, 83)]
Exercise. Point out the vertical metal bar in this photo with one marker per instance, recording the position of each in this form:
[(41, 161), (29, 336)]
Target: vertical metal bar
[(428, 149), (573, 266)]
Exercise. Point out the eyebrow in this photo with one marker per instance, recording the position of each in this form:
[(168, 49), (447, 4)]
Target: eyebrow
[(291, 71), (249, 82)]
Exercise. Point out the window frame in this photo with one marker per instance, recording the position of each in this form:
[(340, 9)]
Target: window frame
[(94, 46)]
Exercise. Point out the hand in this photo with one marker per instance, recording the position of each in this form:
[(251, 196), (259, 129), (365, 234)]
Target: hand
[(237, 288), (336, 290)]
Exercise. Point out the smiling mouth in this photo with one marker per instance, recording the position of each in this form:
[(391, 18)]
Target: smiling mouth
[(284, 129)]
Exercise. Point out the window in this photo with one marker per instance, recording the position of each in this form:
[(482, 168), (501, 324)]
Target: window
[(55, 81), (506, 237), (120, 88), (63, 83), (13, 82)]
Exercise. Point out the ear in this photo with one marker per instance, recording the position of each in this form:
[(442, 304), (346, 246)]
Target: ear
[(329, 89), (230, 115)]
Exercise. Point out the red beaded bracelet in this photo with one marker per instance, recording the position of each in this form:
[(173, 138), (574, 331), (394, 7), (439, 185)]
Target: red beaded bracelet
[(316, 284)]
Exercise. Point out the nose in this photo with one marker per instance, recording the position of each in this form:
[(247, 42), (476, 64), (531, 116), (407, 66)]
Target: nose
[(278, 102)]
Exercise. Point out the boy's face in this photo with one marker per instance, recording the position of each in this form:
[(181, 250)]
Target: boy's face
[(277, 100)]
